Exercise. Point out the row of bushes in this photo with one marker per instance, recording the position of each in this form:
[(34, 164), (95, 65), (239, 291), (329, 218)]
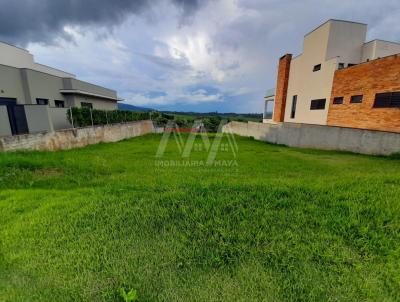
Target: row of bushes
[(82, 117), (210, 123)]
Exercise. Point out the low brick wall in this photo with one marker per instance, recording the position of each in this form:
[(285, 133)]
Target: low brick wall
[(320, 137), (75, 138)]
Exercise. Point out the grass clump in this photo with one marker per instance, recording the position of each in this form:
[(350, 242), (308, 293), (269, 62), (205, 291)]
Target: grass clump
[(284, 224)]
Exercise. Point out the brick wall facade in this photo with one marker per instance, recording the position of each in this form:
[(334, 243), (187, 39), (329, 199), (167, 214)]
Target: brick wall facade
[(367, 79), (281, 88)]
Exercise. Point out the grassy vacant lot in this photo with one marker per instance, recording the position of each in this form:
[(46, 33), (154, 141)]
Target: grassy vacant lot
[(286, 224)]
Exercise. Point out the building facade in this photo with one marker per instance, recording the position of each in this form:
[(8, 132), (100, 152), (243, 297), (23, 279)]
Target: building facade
[(25, 83), (338, 79), (367, 96)]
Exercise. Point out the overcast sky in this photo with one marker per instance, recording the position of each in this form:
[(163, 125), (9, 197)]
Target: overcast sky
[(197, 55)]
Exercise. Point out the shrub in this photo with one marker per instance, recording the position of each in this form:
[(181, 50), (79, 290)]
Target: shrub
[(212, 123), (161, 119)]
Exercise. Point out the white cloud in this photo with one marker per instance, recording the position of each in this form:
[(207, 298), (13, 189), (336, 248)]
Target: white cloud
[(226, 54), (196, 97)]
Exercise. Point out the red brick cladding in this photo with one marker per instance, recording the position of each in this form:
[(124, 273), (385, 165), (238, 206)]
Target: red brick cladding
[(281, 87), (381, 75)]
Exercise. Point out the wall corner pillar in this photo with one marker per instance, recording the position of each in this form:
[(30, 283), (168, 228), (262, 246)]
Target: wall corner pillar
[(282, 83)]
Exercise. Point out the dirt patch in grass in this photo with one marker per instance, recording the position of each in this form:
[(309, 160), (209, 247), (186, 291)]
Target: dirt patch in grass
[(48, 171)]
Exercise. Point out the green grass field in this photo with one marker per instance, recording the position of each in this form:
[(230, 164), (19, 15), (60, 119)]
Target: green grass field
[(284, 225)]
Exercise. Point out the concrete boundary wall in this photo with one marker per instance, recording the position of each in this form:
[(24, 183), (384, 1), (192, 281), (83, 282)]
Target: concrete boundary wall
[(320, 137), (75, 138), (58, 117), (38, 118)]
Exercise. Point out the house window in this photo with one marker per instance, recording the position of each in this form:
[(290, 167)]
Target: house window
[(294, 105), (42, 101), (59, 104), (387, 100), (340, 65), (349, 65), (318, 104), (338, 100), (317, 67), (86, 105), (356, 99)]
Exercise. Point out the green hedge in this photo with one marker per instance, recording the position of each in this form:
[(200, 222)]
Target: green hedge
[(82, 117)]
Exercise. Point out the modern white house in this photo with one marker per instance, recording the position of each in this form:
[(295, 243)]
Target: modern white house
[(305, 83), (34, 97)]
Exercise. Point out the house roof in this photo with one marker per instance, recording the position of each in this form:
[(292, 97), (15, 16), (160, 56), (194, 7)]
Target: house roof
[(81, 92), (334, 20)]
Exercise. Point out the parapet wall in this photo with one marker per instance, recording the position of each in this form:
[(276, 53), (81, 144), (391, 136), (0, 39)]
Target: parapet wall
[(320, 137), (75, 138)]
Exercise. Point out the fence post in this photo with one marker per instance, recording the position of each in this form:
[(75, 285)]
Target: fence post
[(91, 116), (72, 118)]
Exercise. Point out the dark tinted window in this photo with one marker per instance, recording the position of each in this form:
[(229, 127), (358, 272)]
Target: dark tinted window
[(387, 100), (59, 104), (86, 105), (317, 67), (338, 100), (42, 101), (340, 65), (356, 99), (294, 105), (318, 104)]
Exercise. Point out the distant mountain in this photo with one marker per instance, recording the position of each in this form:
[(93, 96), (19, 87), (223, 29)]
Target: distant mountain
[(226, 114), (122, 106)]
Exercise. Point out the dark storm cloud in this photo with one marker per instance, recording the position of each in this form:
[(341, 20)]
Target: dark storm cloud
[(23, 21)]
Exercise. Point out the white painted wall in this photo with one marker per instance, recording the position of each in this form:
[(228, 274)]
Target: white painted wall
[(376, 49), (10, 83), (99, 104), (21, 58), (14, 56), (346, 40), (309, 85), (368, 51), (52, 71), (385, 48), (316, 44)]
